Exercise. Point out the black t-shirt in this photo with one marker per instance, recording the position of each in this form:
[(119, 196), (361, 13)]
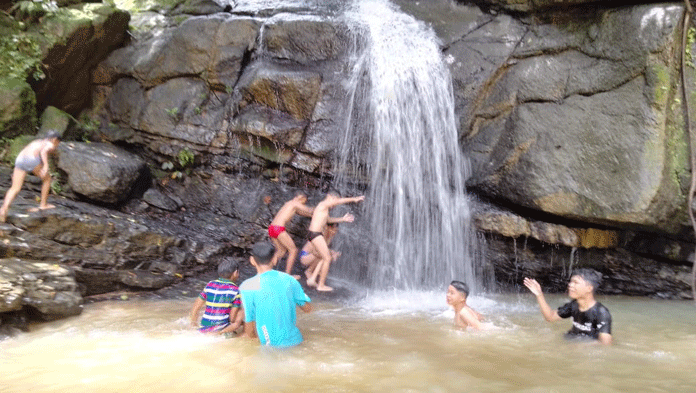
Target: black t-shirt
[(589, 323)]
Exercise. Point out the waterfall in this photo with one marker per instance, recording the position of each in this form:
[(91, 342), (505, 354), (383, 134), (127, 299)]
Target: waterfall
[(402, 139)]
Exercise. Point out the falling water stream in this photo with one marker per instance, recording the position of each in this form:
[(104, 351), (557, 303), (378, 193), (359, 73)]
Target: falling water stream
[(403, 138)]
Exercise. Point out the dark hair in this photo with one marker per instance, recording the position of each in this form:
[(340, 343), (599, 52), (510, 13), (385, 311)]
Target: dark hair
[(592, 276), (461, 287), (227, 268), (53, 134), (263, 253)]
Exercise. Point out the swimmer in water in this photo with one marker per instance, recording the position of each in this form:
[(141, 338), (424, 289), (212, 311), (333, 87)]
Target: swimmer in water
[(591, 319), (464, 316), (33, 158)]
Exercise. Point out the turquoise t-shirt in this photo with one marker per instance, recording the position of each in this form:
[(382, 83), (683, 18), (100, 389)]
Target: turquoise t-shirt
[(269, 299)]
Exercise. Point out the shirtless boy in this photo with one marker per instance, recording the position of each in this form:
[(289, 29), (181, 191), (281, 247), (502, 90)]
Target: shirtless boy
[(310, 257), (320, 218), (33, 158), (464, 316), (590, 318), (280, 238)]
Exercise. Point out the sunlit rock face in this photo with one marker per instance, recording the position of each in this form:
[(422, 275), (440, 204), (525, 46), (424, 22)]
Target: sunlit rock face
[(577, 117), (229, 85)]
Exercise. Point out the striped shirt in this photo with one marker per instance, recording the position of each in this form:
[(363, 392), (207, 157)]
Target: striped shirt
[(220, 296)]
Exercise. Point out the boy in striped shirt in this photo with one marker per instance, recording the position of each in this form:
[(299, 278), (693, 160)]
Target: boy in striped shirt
[(222, 301)]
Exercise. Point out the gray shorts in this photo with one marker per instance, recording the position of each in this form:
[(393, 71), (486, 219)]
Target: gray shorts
[(27, 163)]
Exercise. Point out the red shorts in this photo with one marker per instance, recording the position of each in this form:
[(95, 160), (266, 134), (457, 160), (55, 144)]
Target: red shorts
[(275, 230)]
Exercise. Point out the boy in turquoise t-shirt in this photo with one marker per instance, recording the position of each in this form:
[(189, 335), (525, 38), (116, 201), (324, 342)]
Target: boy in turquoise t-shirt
[(269, 299)]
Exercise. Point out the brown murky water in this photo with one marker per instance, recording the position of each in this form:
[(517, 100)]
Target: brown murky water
[(392, 342)]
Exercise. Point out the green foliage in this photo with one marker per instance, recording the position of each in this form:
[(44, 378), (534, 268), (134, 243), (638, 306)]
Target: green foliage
[(229, 89), (173, 112), (32, 10), (186, 157), (197, 110), (20, 56), (690, 40), (56, 186)]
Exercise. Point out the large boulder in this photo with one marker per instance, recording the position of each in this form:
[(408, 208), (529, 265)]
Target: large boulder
[(46, 288), (212, 47), (76, 40), (17, 108), (101, 172), (562, 116)]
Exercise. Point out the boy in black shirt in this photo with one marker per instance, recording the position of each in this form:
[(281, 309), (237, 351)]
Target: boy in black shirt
[(590, 318)]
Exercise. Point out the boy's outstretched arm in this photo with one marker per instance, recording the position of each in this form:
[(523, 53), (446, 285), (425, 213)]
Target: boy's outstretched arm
[(195, 310), (343, 201), (534, 287), (346, 218)]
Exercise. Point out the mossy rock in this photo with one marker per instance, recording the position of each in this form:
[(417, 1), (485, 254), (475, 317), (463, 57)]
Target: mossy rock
[(17, 108), (54, 119), (15, 146)]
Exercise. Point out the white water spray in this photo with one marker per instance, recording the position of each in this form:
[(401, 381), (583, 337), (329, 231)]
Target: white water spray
[(403, 138)]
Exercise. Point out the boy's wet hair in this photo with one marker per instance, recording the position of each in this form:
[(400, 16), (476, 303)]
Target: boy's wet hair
[(263, 253), (592, 276), (53, 134), (227, 267), (461, 287)]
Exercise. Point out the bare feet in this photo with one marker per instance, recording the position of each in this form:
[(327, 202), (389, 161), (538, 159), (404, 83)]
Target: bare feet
[(296, 277), (35, 209), (312, 282), (324, 288)]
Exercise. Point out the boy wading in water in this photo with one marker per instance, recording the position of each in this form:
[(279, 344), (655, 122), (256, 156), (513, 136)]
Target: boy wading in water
[(222, 301), (33, 158), (464, 316), (316, 236), (590, 318), (280, 238)]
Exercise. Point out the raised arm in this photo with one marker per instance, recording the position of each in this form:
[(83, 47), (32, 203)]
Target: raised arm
[(346, 218), (534, 287), (343, 201)]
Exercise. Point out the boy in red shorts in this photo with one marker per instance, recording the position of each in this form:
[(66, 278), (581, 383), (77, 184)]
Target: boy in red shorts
[(280, 238)]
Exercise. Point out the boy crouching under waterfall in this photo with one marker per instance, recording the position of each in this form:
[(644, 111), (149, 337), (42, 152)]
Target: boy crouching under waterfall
[(222, 302)]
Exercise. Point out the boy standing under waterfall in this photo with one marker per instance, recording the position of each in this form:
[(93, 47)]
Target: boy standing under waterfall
[(590, 318), (33, 158), (316, 236), (280, 237), (222, 301)]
